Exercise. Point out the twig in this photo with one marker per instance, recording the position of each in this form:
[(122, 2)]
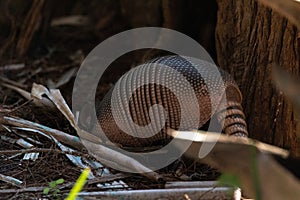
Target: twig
[(59, 135), (190, 184), (109, 178), (11, 82), (10, 180), (41, 150), (193, 193), (18, 107), (29, 189)]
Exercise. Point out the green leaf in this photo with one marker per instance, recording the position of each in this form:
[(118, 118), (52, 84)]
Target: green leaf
[(59, 181), (229, 180), (46, 190), (55, 192), (52, 184)]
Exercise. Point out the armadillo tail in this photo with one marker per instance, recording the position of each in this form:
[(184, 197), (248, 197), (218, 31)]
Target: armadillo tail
[(233, 119)]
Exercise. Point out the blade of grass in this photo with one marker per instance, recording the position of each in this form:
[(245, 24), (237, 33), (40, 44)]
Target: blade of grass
[(79, 184)]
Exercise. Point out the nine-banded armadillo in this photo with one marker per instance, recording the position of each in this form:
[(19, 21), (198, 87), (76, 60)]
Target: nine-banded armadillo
[(153, 90)]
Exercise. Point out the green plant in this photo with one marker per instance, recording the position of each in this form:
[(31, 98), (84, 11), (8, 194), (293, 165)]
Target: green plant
[(79, 184), (52, 189), (227, 179), (231, 180)]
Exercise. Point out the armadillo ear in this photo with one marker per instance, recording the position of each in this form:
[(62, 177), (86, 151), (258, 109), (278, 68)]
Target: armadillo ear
[(233, 94)]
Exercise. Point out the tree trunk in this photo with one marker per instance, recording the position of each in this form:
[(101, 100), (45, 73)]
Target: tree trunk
[(249, 39)]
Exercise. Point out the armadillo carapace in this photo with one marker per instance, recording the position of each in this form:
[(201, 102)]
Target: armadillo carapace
[(147, 85)]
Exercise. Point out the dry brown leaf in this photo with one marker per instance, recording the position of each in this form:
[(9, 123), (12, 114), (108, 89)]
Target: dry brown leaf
[(250, 160)]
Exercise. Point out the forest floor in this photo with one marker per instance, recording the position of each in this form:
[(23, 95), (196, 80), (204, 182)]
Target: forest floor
[(55, 66)]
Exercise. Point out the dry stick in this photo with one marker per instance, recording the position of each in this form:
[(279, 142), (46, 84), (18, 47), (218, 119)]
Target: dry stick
[(11, 180), (59, 135), (192, 193), (239, 156), (44, 102), (29, 189), (18, 107), (105, 155), (40, 150), (11, 82), (108, 178), (21, 91), (67, 185), (101, 153), (191, 184)]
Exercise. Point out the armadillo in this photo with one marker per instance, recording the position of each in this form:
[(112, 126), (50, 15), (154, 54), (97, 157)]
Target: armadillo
[(230, 115)]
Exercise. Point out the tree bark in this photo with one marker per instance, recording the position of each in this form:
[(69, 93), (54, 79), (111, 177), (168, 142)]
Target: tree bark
[(249, 39)]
